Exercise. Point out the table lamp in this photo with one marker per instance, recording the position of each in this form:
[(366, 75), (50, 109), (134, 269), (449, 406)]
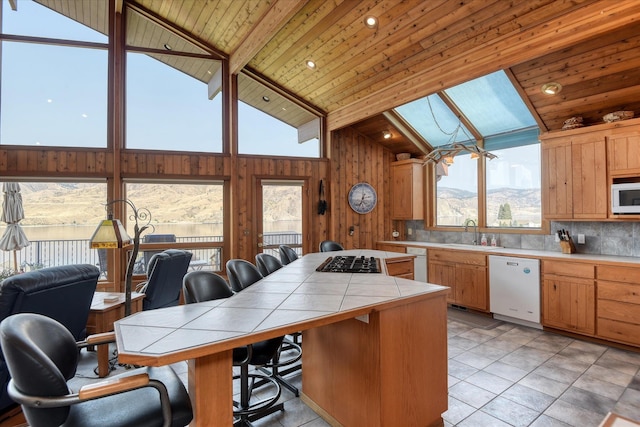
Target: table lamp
[(111, 234)]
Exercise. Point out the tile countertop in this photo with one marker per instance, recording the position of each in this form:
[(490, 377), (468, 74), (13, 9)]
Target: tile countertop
[(293, 298), (522, 253)]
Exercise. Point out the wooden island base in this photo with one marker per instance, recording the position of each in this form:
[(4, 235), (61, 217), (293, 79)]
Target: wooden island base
[(389, 371)]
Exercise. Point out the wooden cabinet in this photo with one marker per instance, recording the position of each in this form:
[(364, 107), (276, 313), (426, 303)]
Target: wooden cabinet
[(407, 189), (400, 267), (568, 296), (391, 248), (465, 273), (618, 297), (623, 153), (574, 176)]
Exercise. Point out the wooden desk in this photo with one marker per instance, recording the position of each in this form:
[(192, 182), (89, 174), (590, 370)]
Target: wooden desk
[(102, 315), (375, 346)]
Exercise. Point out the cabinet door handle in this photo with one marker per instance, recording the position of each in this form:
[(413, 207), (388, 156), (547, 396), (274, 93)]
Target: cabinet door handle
[(554, 286)]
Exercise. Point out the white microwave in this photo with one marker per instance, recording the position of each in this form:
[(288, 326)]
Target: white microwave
[(625, 198)]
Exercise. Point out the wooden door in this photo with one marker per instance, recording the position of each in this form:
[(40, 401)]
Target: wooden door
[(569, 304), (442, 273), (280, 206), (557, 185), (624, 153), (471, 286), (590, 186)]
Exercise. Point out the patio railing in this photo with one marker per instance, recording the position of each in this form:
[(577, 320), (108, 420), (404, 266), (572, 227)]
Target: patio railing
[(50, 253)]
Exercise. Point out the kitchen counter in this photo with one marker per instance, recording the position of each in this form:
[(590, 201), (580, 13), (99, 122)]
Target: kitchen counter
[(522, 253)]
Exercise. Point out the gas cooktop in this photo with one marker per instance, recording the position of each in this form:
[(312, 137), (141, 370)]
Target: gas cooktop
[(350, 264)]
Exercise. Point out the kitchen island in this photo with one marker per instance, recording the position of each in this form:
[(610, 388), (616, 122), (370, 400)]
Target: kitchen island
[(375, 346)]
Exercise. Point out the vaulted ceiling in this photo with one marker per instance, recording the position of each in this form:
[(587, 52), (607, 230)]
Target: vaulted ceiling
[(419, 47)]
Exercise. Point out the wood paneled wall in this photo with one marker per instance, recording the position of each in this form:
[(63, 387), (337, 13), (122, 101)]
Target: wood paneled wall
[(355, 158)]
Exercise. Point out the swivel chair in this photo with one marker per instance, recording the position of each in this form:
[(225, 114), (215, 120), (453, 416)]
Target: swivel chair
[(287, 254), (63, 293), (330, 246), (200, 286), (42, 355), (267, 264), (164, 279), (243, 274)]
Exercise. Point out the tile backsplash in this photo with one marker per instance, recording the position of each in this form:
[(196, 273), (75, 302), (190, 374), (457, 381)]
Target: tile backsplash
[(601, 238)]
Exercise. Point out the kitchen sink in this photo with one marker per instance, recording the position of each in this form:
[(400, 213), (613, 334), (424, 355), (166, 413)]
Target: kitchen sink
[(470, 246)]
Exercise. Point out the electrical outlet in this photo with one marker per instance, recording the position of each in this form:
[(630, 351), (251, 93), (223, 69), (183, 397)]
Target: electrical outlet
[(409, 231), (581, 239), (557, 238)]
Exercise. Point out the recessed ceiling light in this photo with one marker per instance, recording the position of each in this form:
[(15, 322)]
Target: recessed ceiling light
[(266, 98), (551, 88), (371, 22), (167, 46), (310, 64), (386, 134)]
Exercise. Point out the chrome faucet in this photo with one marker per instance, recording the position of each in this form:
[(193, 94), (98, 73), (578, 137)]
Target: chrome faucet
[(475, 227)]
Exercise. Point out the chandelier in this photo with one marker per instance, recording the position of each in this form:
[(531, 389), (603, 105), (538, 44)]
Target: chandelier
[(446, 153)]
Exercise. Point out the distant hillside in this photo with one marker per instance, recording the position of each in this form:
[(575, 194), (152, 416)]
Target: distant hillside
[(455, 206)]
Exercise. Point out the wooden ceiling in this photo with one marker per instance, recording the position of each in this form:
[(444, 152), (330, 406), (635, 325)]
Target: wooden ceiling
[(420, 47)]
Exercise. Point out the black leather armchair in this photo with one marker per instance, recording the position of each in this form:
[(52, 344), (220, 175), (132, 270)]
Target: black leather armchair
[(63, 293), (164, 279), (42, 356)]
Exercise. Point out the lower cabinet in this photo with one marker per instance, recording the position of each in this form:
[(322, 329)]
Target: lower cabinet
[(465, 273), (618, 297), (400, 267), (568, 296)]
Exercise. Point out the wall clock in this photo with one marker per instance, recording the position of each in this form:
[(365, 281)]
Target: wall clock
[(362, 198)]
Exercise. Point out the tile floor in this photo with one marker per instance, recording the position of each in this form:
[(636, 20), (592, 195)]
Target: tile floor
[(509, 375)]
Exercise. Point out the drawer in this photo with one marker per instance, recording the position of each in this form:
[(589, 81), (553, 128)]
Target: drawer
[(619, 331), (619, 292), (400, 267), (458, 257), (571, 269), (615, 310), (390, 248), (619, 274)]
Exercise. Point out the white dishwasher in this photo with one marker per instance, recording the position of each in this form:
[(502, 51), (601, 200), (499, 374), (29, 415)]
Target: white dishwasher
[(514, 289), (419, 263)]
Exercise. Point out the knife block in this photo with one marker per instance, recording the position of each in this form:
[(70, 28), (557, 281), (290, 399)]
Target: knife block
[(567, 246)]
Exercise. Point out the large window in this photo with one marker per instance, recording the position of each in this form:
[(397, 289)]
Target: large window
[(271, 124), (168, 109), (52, 94), (59, 219), (190, 215), (513, 188), (457, 191)]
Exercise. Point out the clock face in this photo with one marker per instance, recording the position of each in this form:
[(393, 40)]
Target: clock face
[(362, 198)]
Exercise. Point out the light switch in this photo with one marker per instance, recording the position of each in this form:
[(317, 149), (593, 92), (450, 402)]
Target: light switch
[(581, 239)]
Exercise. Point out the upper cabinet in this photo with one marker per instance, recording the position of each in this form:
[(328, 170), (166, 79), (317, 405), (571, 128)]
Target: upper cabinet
[(407, 189), (579, 166), (574, 174)]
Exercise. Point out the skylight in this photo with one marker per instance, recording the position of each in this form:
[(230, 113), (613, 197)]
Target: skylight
[(490, 103)]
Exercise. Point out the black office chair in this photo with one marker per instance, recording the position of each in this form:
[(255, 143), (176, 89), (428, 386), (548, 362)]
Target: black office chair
[(42, 356), (243, 274), (330, 246), (200, 286), (164, 279), (287, 254), (267, 263)]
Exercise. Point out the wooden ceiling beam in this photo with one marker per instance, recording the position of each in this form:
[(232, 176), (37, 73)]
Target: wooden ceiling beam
[(513, 48), (408, 131), (13, 4), (280, 12)]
